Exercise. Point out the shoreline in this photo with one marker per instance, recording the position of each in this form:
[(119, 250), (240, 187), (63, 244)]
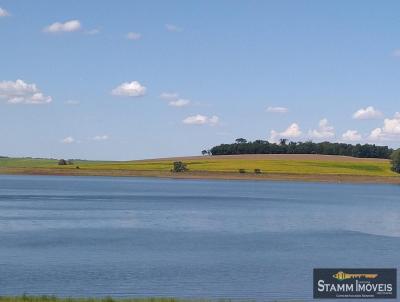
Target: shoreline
[(318, 178)]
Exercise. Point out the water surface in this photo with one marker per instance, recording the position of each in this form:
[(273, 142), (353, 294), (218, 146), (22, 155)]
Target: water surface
[(96, 236)]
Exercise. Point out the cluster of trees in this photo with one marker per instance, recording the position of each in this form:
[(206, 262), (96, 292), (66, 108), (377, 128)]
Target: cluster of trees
[(396, 161), (242, 146)]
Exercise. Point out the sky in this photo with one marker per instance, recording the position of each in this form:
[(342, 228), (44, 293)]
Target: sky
[(120, 80)]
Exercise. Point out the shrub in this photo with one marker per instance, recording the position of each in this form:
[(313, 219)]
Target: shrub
[(62, 162), (257, 171), (242, 171), (179, 167), (396, 161)]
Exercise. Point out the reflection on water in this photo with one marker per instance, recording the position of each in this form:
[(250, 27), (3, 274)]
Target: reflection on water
[(80, 236)]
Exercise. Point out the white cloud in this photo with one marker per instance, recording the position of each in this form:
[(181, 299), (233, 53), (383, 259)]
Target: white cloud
[(4, 13), (392, 126), (72, 102), (133, 89), (100, 137), (174, 99), (179, 103), (351, 135), (324, 130), (199, 119), (133, 36), (19, 92), (389, 131), (292, 131), (376, 134), (68, 26), (169, 95), (68, 140), (174, 28), (367, 113), (213, 120), (277, 109)]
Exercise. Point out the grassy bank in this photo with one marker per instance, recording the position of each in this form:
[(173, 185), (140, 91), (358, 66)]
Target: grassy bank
[(291, 167)]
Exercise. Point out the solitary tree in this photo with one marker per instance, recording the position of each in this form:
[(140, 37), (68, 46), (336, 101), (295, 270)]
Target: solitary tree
[(396, 161), (179, 167), (62, 162)]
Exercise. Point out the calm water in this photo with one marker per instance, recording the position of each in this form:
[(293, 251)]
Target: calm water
[(96, 236)]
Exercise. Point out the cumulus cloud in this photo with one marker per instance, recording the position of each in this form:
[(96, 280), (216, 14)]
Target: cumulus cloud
[(19, 92), (324, 130), (292, 131), (174, 100), (133, 36), (68, 26), (367, 113), (133, 89), (389, 131), (351, 135), (376, 134), (179, 103), (68, 140), (100, 137), (173, 28), (3, 12), (277, 109), (199, 119)]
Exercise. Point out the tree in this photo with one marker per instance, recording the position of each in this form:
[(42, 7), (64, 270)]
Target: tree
[(396, 161), (179, 167), (241, 141), (204, 152), (283, 141), (242, 146), (62, 162)]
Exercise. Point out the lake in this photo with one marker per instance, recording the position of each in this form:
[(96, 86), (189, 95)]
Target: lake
[(97, 236)]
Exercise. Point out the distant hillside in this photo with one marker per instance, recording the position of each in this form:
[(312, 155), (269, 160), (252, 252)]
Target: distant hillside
[(303, 167), (242, 146)]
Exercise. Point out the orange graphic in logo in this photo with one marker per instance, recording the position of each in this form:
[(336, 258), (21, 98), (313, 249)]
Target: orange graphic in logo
[(344, 276)]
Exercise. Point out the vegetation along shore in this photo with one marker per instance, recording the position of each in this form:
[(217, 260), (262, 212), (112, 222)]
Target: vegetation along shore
[(293, 161), (306, 167)]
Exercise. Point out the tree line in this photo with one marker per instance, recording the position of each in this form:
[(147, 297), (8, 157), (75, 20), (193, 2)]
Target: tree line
[(242, 146)]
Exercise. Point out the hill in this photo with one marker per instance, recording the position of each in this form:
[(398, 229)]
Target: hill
[(303, 167)]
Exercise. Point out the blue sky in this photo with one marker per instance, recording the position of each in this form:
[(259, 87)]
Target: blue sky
[(142, 79)]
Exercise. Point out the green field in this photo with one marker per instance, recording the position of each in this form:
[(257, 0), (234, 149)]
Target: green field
[(338, 166)]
